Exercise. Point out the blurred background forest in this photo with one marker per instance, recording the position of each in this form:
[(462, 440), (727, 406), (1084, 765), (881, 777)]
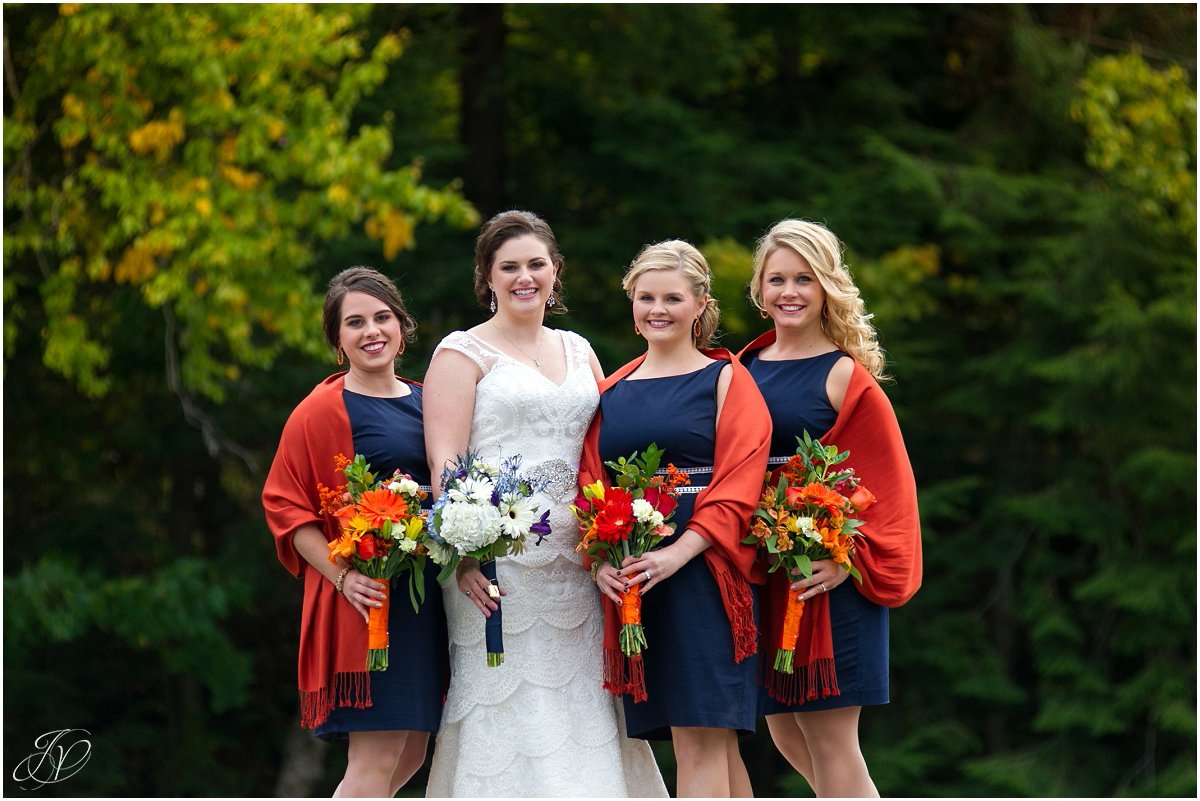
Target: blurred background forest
[(1016, 188)]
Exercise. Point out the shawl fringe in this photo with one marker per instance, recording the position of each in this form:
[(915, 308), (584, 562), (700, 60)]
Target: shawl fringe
[(810, 682), (347, 689), (625, 674), (739, 606)]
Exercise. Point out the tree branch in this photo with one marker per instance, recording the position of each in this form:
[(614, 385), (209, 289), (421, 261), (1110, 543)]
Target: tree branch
[(215, 440)]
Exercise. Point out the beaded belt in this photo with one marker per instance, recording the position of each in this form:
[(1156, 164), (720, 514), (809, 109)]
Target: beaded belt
[(778, 460)]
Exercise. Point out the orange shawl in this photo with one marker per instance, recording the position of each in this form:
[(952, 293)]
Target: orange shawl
[(333, 636), (721, 515), (888, 551)]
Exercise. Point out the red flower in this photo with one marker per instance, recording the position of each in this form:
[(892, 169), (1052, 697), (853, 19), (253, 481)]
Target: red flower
[(615, 521), (662, 501), (366, 547)]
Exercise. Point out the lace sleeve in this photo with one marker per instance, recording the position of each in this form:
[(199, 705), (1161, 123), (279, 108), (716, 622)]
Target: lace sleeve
[(579, 350), (471, 347)]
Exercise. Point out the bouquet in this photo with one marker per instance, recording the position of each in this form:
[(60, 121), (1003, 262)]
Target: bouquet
[(383, 535), (486, 512), (629, 519), (808, 513)]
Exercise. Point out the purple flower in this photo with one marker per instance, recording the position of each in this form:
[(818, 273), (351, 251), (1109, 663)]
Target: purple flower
[(541, 527)]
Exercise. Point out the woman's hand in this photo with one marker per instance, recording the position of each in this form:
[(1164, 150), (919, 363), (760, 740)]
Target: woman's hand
[(653, 567), (610, 583), (826, 574), (363, 593), (473, 584)]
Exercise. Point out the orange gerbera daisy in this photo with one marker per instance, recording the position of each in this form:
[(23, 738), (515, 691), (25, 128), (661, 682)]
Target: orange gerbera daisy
[(380, 505)]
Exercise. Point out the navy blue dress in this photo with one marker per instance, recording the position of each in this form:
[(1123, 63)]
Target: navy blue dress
[(691, 678), (794, 390), (407, 696)]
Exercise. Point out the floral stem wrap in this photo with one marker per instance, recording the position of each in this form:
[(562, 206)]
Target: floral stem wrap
[(493, 629), (790, 634), (633, 636), (377, 631)]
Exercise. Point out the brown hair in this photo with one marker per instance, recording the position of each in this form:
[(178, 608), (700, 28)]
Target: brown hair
[(371, 282), (505, 226), (682, 257)]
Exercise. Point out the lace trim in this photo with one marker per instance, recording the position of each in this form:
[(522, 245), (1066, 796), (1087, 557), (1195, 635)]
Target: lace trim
[(486, 355)]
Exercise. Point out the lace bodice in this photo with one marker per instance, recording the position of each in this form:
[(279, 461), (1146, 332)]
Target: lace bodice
[(519, 408), (525, 728)]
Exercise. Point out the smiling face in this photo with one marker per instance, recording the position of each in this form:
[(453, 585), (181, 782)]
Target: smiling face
[(791, 293), (522, 275), (664, 307), (369, 333)]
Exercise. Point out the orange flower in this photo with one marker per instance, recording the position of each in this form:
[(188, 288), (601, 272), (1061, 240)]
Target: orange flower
[(816, 494), (344, 546), (380, 505), (862, 498), (340, 462), (331, 499), (676, 477)]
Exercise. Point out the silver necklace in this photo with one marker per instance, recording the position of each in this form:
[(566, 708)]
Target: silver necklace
[(537, 360)]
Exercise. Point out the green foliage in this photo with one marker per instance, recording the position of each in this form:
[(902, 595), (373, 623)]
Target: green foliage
[(1015, 186), (197, 156)]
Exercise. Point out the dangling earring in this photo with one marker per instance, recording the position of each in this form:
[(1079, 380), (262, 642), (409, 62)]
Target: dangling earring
[(763, 313), (493, 303), (341, 356), (637, 331), (696, 328), (550, 300)]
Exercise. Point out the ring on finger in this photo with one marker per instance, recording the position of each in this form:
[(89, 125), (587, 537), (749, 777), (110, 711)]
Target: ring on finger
[(646, 573), (823, 587), (467, 593)]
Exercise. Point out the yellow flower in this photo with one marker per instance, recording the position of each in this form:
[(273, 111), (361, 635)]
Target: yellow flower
[(413, 529)]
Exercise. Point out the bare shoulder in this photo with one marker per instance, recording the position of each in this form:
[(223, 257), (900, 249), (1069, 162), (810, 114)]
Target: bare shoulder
[(839, 381)]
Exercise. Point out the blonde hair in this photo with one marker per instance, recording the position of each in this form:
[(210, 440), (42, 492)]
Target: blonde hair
[(677, 255), (844, 319)]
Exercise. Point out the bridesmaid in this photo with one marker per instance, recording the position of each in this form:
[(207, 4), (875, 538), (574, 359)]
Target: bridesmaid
[(387, 716), (818, 371), (701, 407)]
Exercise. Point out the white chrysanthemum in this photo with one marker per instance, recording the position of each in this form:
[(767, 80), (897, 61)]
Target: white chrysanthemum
[(516, 516), (470, 526), (642, 510), (473, 490), (405, 486), (406, 545)]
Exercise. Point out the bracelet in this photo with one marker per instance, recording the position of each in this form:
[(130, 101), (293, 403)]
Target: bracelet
[(595, 570), (337, 585)]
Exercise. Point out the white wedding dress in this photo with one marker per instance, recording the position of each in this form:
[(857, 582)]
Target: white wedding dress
[(540, 724)]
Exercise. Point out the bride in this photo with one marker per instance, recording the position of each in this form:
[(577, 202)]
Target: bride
[(540, 724)]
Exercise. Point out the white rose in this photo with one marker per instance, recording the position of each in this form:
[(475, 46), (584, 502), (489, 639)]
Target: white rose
[(404, 486)]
